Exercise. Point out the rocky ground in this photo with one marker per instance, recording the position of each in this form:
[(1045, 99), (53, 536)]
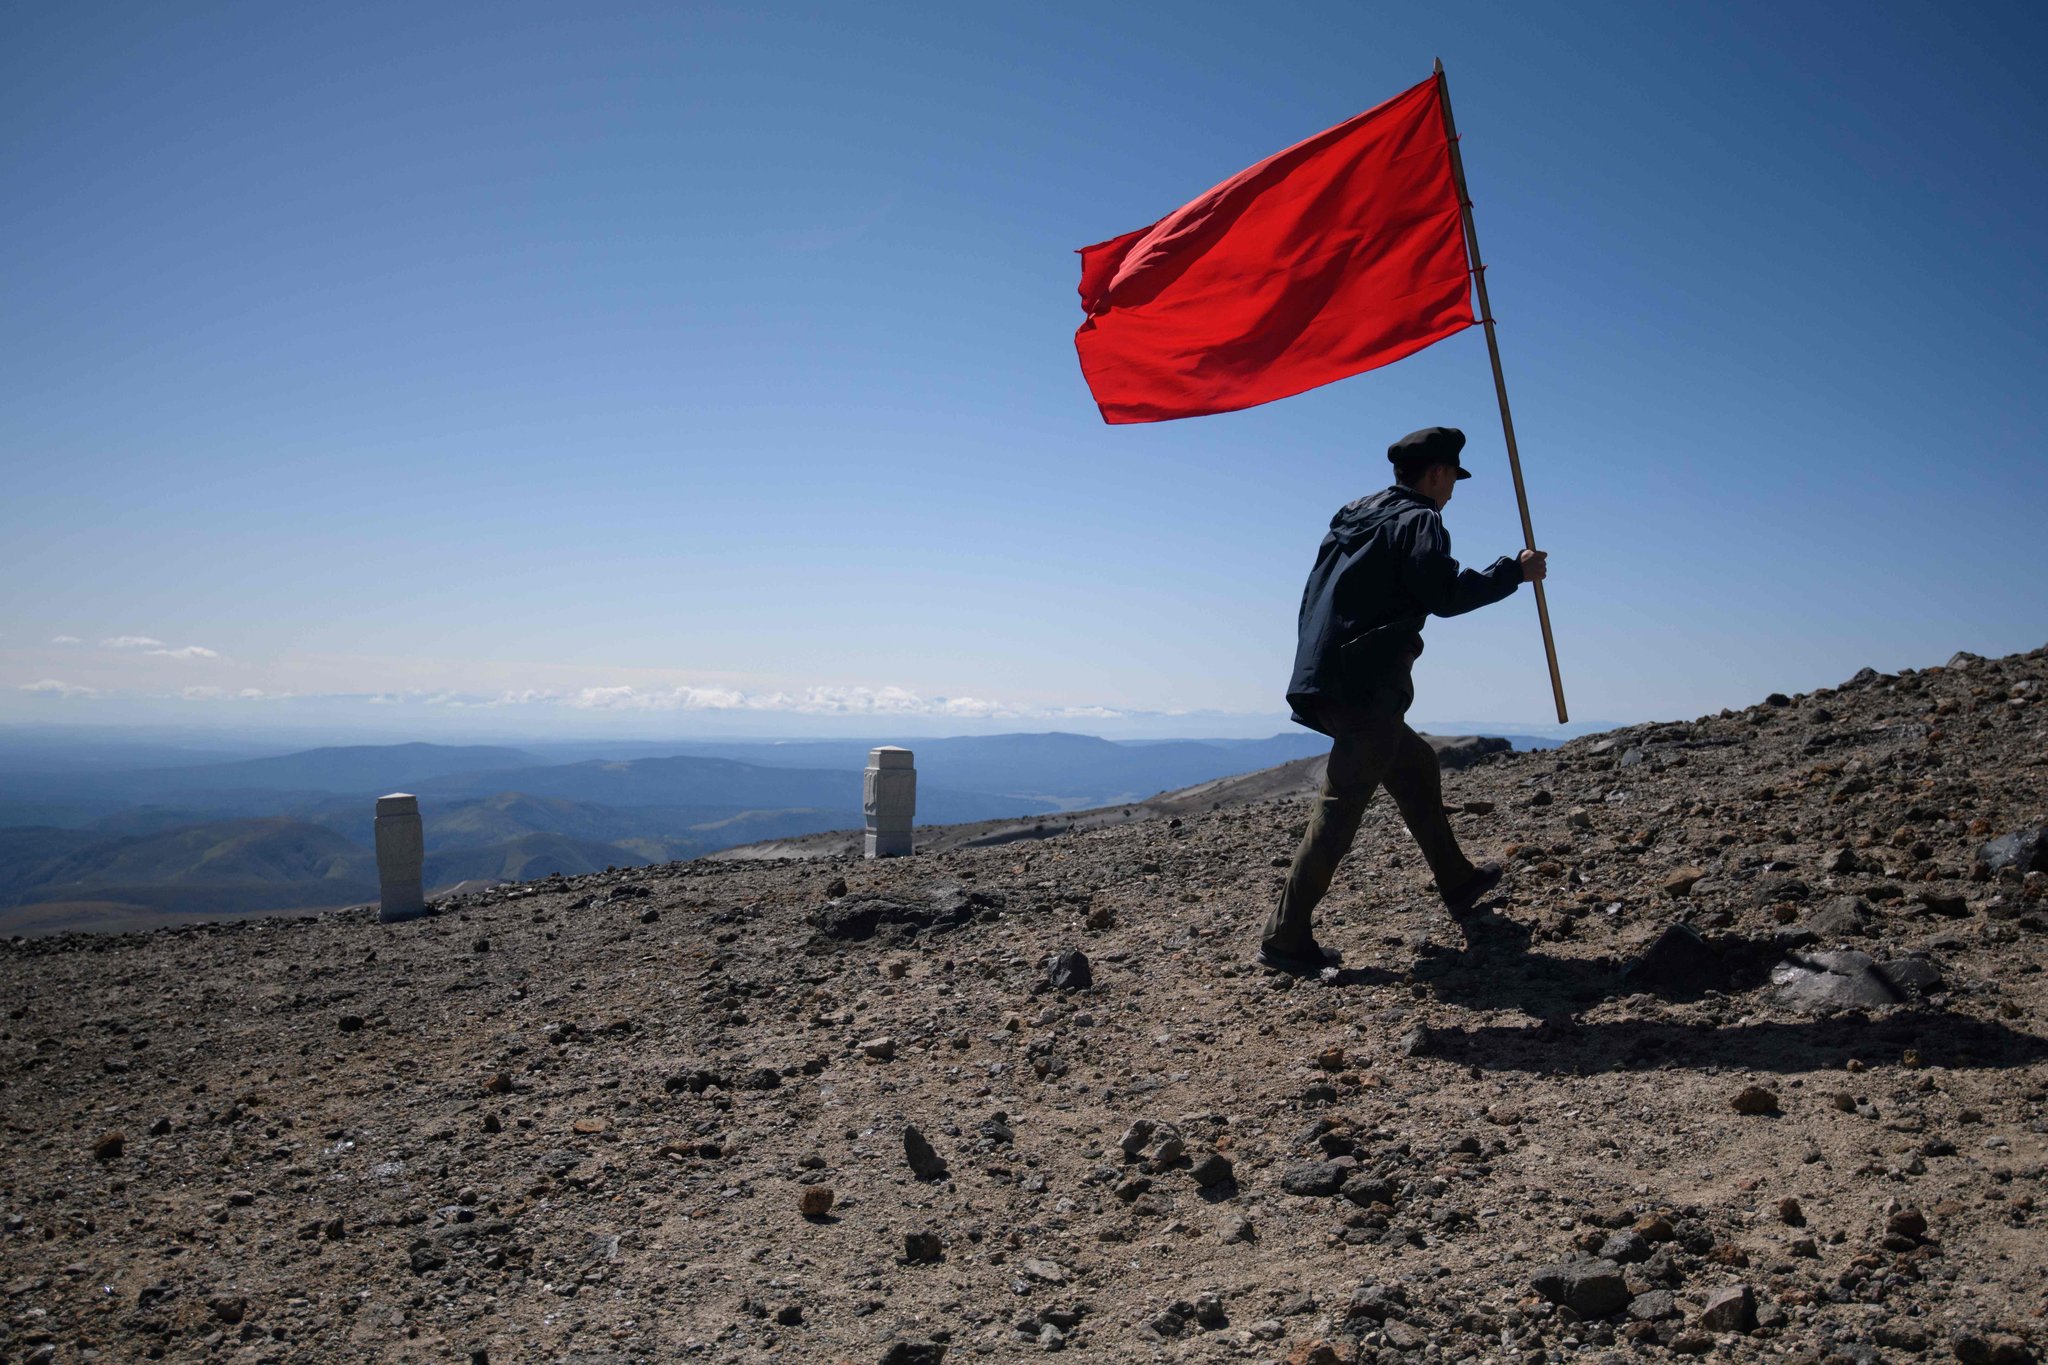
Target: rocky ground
[(836, 1110)]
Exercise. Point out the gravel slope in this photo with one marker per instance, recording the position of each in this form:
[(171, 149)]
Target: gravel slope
[(577, 1120)]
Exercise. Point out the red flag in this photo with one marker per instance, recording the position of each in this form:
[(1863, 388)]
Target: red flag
[(1343, 253)]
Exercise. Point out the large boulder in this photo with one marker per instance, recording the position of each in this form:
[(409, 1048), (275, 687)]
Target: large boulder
[(1840, 917), (1462, 751), (1592, 1289), (2025, 849), (1818, 982), (1678, 965), (1311, 1179)]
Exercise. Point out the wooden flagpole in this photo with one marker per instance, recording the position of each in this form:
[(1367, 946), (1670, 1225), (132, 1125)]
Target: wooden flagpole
[(1500, 383)]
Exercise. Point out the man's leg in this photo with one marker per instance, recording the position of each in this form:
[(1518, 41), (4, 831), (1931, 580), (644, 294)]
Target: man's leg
[(1363, 750), (1415, 782)]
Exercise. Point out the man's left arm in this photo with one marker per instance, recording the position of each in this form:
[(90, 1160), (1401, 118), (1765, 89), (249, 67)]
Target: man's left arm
[(1447, 590)]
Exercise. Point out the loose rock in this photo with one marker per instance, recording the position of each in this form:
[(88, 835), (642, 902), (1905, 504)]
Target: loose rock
[(1592, 1289), (1754, 1100), (1729, 1309), (925, 1163)]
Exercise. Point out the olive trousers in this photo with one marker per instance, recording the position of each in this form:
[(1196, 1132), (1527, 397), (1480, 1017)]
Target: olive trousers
[(1373, 747)]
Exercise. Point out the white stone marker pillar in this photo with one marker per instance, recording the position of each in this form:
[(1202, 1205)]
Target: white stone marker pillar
[(888, 795), (401, 855)]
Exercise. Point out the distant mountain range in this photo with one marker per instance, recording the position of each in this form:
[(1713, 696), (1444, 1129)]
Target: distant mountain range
[(293, 831)]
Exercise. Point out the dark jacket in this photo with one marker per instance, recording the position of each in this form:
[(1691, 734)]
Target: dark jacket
[(1383, 569)]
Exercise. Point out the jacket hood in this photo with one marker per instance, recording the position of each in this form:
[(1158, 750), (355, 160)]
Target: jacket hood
[(1355, 520)]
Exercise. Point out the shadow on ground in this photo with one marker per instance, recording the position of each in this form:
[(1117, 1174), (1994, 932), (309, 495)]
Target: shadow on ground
[(1497, 970), (1941, 1038)]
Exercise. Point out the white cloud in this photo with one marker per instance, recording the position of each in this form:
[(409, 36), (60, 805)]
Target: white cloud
[(660, 699), (50, 687), (148, 644), (530, 696), (627, 699), (813, 701), (66, 640), (232, 694)]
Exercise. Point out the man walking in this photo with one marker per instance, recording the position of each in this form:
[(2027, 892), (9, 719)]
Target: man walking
[(1383, 569)]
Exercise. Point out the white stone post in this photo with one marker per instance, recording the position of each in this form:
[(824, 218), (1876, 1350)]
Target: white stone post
[(401, 856), (888, 795)]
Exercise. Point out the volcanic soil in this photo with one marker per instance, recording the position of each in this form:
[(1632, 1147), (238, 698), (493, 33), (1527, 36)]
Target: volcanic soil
[(880, 1112)]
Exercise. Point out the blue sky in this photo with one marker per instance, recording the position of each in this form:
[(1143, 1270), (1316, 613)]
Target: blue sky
[(688, 369)]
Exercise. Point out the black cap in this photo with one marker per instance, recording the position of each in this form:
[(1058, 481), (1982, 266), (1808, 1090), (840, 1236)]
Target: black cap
[(1436, 445)]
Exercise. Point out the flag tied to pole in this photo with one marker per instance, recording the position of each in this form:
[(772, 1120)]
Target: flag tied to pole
[(1341, 254)]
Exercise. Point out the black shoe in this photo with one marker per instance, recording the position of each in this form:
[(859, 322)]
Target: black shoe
[(1309, 961), (1461, 902)]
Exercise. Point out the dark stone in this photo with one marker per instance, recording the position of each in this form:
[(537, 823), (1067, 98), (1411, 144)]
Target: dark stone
[(1776, 889), (1070, 971), (559, 1162), (1901, 1336), (1754, 1100), (1213, 1170), (1908, 1223), (1378, 1302), (925, 1163), (1792, 938), (1625, 1248), (1972, 1348), (1840, 917), (2025, 849), (1946, 904), (856, 919), (1976, 1348), (1678, 964), (1462, 751), (1314, 1178), (696, 1082), (1729, 1309), (1653, 1306), (922, 1248), (1915, 975), (1592, 1289), (1818, 982), (1365, 1190), (913, 1353), (1135, 1137)]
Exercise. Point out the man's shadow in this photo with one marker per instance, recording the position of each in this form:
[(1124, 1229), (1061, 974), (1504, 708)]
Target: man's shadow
[(1498, 968)]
